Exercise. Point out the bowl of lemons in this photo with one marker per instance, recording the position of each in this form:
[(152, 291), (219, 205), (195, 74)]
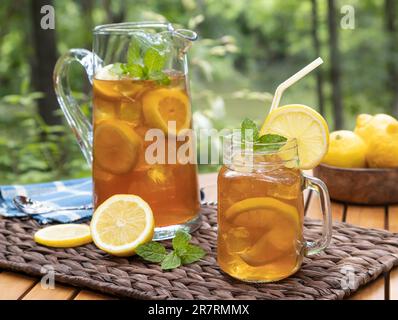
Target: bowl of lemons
[(361, 166)]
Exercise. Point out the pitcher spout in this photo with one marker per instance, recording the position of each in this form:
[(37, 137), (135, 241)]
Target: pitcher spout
[(184, 39)]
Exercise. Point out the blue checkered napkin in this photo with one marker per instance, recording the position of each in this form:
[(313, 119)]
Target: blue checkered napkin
[(58, 193)]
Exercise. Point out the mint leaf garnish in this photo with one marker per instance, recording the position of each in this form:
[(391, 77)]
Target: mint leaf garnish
[(134, 53), (192, 253), (181, 241), (247, 125), (145, 61), (267, 142), (154, 60), (183, 253), (160, 77), (134, 70), (171, 261), (152, 251), (271, 138)]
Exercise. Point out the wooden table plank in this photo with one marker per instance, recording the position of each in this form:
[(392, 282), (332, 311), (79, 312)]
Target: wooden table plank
[(393, 227), (60, 292), (13, 285), (368, 217), (314, 209), (393, 218), (372, 291), (394, 284), (89, 295)]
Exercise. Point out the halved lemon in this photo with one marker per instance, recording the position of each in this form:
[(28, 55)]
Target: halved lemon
[(64, 235), (304, 124), (167, 104), (121, 224), (116, 146)]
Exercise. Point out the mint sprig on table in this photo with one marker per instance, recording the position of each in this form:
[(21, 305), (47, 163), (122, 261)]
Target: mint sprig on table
[(260, 143), (183, 252), (144, 64)]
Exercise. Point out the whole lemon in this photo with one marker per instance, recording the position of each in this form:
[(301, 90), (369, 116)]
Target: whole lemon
[(346, 150), (383, 148), (368, 126)]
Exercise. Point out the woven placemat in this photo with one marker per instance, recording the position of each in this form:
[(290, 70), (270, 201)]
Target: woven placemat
[(355, 257)]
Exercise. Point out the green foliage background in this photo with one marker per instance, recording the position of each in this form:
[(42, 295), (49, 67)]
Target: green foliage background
[(246, 48)]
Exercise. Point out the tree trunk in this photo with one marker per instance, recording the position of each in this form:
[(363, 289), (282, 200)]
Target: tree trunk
[(88, 23), (317, 47), (115, 17), (335, 66), (43, 62), (392, 47)]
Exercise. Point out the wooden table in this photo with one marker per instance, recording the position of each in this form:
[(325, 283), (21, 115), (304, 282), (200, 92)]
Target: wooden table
[(17, 286)]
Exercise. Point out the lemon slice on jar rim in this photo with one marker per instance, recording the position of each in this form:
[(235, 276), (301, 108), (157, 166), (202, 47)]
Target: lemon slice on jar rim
[(306, 126)]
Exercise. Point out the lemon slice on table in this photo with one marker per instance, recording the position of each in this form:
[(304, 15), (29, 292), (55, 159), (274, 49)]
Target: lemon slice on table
[(116, 146), (64, 235), (121, 224), (304, 124), (163, 105)]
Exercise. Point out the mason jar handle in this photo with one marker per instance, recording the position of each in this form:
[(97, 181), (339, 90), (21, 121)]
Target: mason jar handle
[(319, 187), (80, 124)]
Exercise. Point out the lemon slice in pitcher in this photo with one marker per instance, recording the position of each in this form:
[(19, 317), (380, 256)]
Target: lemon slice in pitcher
[(305, 125), (121, 224), (167, 104), (116, 146), (64, 235)]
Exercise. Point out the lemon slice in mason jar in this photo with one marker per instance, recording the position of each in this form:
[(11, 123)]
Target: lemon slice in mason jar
[(279, 223), (121, 224), (305, 125), (116, 146), (167, 104), (263, 209)]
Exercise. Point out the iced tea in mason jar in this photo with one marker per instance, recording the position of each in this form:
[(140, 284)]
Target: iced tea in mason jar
[(261, 211)]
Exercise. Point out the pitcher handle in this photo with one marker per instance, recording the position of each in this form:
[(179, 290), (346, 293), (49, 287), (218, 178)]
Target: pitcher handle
[(80, 124), (319, 187)]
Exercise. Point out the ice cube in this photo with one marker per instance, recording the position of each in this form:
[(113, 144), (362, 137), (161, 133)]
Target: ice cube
[(131, 112), (105, 73)]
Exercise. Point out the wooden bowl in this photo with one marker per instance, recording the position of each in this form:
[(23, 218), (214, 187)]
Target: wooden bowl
[(360, 185)]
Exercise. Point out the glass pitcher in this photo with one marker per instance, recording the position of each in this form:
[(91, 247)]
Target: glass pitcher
[(140, 97), (261, 212)]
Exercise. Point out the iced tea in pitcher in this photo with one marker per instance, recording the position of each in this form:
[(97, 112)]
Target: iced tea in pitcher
[(124, 110), (139, 73)]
